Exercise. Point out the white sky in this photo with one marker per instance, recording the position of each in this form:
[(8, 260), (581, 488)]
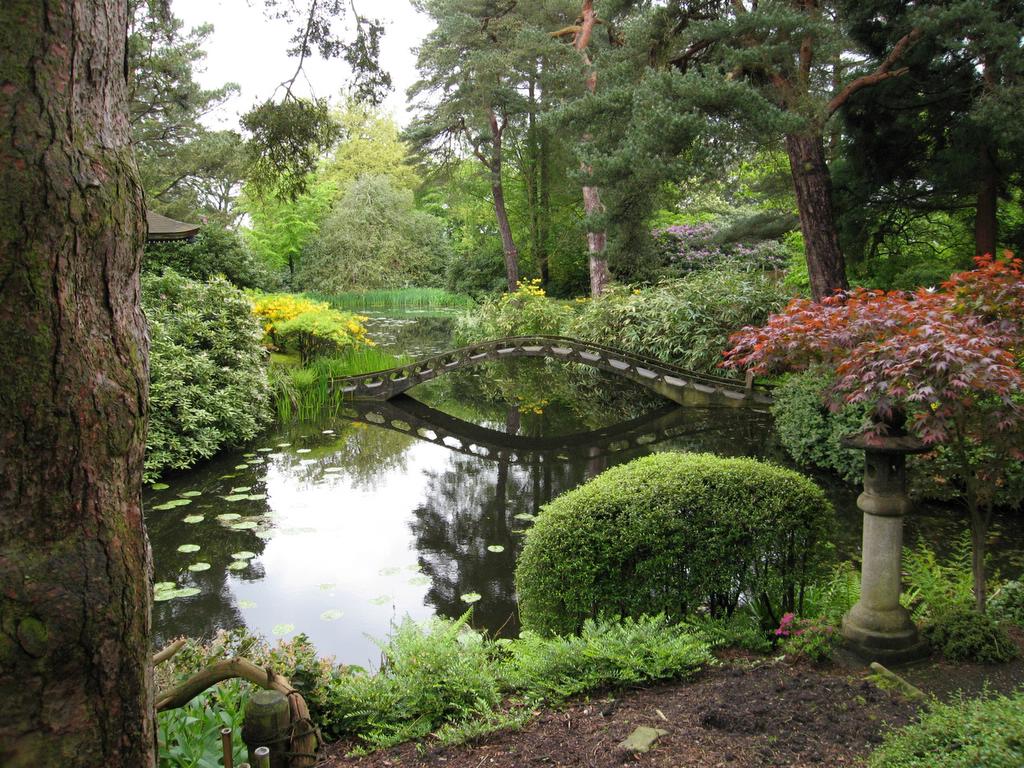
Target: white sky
[(248, 49)]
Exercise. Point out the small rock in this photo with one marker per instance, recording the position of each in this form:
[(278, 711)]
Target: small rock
[(642, 739)]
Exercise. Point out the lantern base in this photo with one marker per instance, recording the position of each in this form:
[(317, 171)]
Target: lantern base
[(888, 637)]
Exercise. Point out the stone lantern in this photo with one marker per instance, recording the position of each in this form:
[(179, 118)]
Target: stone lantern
[(878, 628)]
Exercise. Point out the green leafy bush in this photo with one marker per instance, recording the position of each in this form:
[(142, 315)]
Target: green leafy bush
[(208, 374), (375, 238), (606, 652), (810, 432), (686, 321), (527, 312), (673, 533), (968, 733), (963, 634), (1007, 603), (434, 674), (214, 252), (811, 639)]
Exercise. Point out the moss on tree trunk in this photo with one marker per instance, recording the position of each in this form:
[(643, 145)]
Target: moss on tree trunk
[(74, 559)]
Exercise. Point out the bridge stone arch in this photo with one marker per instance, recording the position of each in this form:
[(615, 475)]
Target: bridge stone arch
[(670, 381), (409, 416)]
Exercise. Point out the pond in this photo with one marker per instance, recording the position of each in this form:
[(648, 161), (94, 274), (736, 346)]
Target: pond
[(341, 527)]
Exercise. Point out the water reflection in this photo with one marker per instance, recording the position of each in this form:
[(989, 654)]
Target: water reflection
[(411, 507)]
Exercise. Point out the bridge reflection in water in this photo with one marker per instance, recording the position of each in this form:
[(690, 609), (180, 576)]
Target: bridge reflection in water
[(498, 479)]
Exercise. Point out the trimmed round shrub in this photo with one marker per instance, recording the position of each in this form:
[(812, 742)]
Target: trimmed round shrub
[(674, 533), (961, 734)]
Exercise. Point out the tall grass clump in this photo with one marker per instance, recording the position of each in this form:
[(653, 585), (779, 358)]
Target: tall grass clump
[(398, 298), (305, 392)]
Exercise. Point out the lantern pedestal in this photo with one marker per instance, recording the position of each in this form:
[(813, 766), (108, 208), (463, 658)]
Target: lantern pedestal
[(878, 628)]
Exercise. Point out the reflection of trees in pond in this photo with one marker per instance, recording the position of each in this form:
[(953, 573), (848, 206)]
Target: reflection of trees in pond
[(213, 608), (363, 454), (415, 334)]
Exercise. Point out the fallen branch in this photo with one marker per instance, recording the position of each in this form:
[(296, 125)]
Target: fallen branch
[(909, 690)]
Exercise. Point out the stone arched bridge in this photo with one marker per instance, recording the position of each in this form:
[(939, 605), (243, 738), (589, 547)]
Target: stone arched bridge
[(675, 383)]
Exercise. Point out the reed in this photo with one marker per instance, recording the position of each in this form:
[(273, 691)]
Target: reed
[(303, 394), (399, 298)]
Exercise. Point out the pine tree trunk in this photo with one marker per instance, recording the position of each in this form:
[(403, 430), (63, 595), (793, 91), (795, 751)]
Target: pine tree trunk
[(544, 196), (813, 185), (600, 276), (986, 226), (508, 245), (74, 560)]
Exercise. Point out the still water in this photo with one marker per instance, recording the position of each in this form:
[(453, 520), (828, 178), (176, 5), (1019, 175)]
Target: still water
[(415, 507)]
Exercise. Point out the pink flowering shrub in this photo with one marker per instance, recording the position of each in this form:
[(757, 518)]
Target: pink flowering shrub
[(812, 639)]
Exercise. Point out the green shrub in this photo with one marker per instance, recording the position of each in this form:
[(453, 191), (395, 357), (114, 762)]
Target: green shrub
[(1007, 603), (432, 675), (811, 639), (810, 432), (606, 652), (933, 587), (527, 312), (963, 634), (835, 593), (214, 252), (673, 533), (686, 321), (961, 734), (208, 373), (189, 737)]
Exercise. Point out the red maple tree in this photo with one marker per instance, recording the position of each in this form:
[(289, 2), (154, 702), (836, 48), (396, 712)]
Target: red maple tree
[(950, 359)]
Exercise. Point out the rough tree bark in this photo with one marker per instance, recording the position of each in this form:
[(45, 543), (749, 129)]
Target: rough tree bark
[(74, 559), (813, 185), (986, 223)]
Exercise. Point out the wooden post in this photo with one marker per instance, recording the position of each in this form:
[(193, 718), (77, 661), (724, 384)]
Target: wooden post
[(267, 720), (225, 742)]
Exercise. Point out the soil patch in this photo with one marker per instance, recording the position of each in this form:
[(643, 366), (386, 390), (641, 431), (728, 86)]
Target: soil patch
[(761, 714), (748, 713)]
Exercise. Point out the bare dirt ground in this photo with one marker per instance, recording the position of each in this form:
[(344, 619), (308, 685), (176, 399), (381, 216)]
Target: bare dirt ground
[(744, 714)]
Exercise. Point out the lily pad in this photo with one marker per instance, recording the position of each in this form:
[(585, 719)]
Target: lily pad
[(265, 534), (227, 517), (197, 567), (173, 503), (413, 567), (495, 548), (332, 614), (304, 450), (243, 555), (159, 486), (189, 548), (248, 455), (163, 586), (328, 432), (470, 597), (246, 603), (283, 629), (245, 525), (283, 445), (193, 519), (236, 497), (419, 581), (265, 450), (238, 565), (334, 469), (256, 496), (525, 516), (241, 466), (381, 600), (242, 489), (389, 571), (190, 494), (171, 594)]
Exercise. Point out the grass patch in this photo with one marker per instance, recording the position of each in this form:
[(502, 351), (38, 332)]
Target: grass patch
[(401, 298), (303, 393)]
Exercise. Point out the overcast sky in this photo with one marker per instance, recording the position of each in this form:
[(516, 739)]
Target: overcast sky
[(247, 49)]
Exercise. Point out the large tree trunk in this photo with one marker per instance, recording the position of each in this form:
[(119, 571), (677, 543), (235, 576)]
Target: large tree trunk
[(813, 185), (544, 197), (508, 245), (74, 559), (986, 226), (597, 240)]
